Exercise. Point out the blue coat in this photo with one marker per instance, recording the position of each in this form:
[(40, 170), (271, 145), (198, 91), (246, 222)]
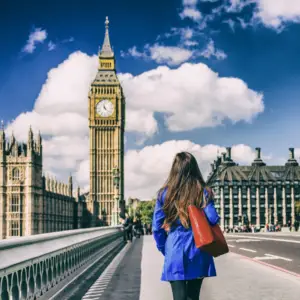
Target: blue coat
[(183, 261)]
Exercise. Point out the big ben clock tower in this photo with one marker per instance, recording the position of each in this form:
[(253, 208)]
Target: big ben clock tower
[(106, 131)]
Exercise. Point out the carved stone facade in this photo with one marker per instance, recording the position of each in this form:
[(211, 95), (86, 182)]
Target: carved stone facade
[(106, 131), (256, 194), (29, 202)]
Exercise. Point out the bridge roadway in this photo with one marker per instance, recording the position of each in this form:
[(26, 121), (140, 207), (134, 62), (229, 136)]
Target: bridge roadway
[(281, 250), (134, 274)]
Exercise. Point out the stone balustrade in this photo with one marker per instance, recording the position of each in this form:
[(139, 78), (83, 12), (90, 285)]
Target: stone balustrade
[(30, 266)]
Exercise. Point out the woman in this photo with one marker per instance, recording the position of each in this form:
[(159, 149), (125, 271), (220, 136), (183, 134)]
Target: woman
[(185, 266)]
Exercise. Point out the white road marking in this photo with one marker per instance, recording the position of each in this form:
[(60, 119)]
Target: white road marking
[(279, 257), (265, 238), (271, 257), (249, 250), (230, 246), (246, 240), (265, 258)]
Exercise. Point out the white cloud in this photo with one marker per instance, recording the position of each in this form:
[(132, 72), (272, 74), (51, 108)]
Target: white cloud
[(190, 43), (37, 36), (210, 51), (189, 2), (51, 46), (187, 33), (230, 23), (141, 121), (135, 53), (60, 113), (275, 13), (190, 10), (147, 169), (191, 96), (244, 24), (237, 5), (171, 56), (192, 13)]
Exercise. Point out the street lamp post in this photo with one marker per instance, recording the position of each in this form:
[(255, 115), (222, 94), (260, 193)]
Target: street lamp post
[(119, 206), (116, 181)]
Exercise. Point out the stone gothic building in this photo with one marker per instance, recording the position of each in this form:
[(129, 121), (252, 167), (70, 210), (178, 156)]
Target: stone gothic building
[(256, 194), (30, 203)]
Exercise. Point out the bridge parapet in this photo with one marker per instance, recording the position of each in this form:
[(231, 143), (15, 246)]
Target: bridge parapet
[(31, 266)]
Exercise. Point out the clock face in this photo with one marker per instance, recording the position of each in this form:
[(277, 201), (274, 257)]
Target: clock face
[(105, 108)]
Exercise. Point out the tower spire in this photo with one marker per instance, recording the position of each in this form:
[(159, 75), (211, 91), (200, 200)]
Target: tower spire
[(30, 142), (2, 137), (2, 132), (106, 51)]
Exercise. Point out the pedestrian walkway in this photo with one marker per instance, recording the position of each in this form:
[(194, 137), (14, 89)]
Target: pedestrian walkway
[(138, 278)]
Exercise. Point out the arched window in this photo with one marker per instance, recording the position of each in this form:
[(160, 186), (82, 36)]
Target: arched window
[(15, 174)]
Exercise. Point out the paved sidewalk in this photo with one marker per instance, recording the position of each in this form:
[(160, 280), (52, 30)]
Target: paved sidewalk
[(126, 280), (238, 278)]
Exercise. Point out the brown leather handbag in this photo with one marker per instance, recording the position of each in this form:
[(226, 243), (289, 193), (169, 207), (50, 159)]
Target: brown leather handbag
[(208, 238)]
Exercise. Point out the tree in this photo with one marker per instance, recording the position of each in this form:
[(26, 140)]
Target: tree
[(145, 211)]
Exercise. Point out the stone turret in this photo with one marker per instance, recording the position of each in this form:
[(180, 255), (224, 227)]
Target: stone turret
[(13, 146), (22, 148), (258, 161), (65, 189), (228, 153), (228, 160), (47, 183), (44, 182), (292, 161), (258, 153), (30, 141), (39, 146), (70, 186), (78, 194), (51, 185)]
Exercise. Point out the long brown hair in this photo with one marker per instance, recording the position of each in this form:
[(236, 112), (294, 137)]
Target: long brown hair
[(185, 186)]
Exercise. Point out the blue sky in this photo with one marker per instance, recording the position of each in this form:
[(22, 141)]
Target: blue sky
[(254, 41)]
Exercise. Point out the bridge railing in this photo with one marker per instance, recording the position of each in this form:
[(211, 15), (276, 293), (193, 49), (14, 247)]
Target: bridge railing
[(31, 266)]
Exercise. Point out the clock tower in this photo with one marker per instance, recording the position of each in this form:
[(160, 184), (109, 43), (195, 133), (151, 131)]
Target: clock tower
[(106, 132)]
